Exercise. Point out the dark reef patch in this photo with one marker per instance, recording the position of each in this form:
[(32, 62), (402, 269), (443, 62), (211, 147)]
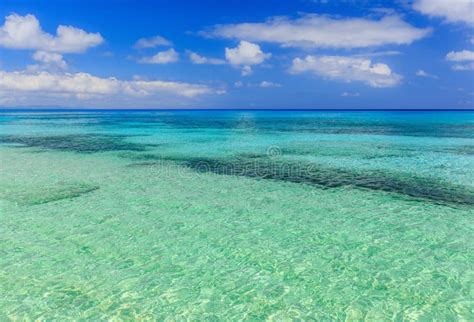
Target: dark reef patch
[(359, 151), (140, 156), (143, 164), (89, 143), (416, 187)]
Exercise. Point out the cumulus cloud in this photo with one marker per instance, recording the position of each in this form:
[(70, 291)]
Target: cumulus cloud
[(24, 32), (152, 42), (464, 59), (162, 57), (451, 11), (347, 69), (313, 30), (422, 73), (245, 55), (48, 60), (262, 84), (198, 59), (18, 86), (246, 70), (463, 55)]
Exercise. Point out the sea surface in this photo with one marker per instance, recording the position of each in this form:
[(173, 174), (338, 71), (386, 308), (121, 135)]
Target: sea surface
[(236, 215)]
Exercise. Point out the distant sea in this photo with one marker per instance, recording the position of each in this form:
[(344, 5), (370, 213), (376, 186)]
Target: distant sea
[(231, 215)]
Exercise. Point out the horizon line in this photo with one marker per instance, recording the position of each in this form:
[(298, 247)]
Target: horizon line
[(72, 109)]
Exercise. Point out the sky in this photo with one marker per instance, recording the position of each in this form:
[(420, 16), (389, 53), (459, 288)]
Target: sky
[(272, 54)]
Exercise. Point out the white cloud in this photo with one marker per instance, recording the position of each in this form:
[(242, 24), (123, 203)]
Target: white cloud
[(245, 55), (267, 84), (262, 84), (464, 59), (152, 42), (198, 59), (422, 73), (162, 57), (246, 70), (347, 69), (50, 59), (463, 67), (313, 30), (23, 87), (463, 55), (24, 32), (451, 11)]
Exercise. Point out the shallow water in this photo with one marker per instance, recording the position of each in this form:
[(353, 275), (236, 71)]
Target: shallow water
[(237, 215)]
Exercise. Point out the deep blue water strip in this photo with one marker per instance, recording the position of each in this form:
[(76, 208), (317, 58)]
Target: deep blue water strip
[(33, 110)]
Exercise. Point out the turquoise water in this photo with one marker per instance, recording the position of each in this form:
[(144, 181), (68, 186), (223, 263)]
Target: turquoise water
[(237, 215)]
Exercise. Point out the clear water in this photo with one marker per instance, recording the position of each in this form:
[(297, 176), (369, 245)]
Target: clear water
[(237, 215)]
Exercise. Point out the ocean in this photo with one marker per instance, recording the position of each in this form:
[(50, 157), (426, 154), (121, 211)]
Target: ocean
[(236, 215)]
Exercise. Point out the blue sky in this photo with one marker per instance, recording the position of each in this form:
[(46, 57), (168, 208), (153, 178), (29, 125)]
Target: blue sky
[(237, 54)]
